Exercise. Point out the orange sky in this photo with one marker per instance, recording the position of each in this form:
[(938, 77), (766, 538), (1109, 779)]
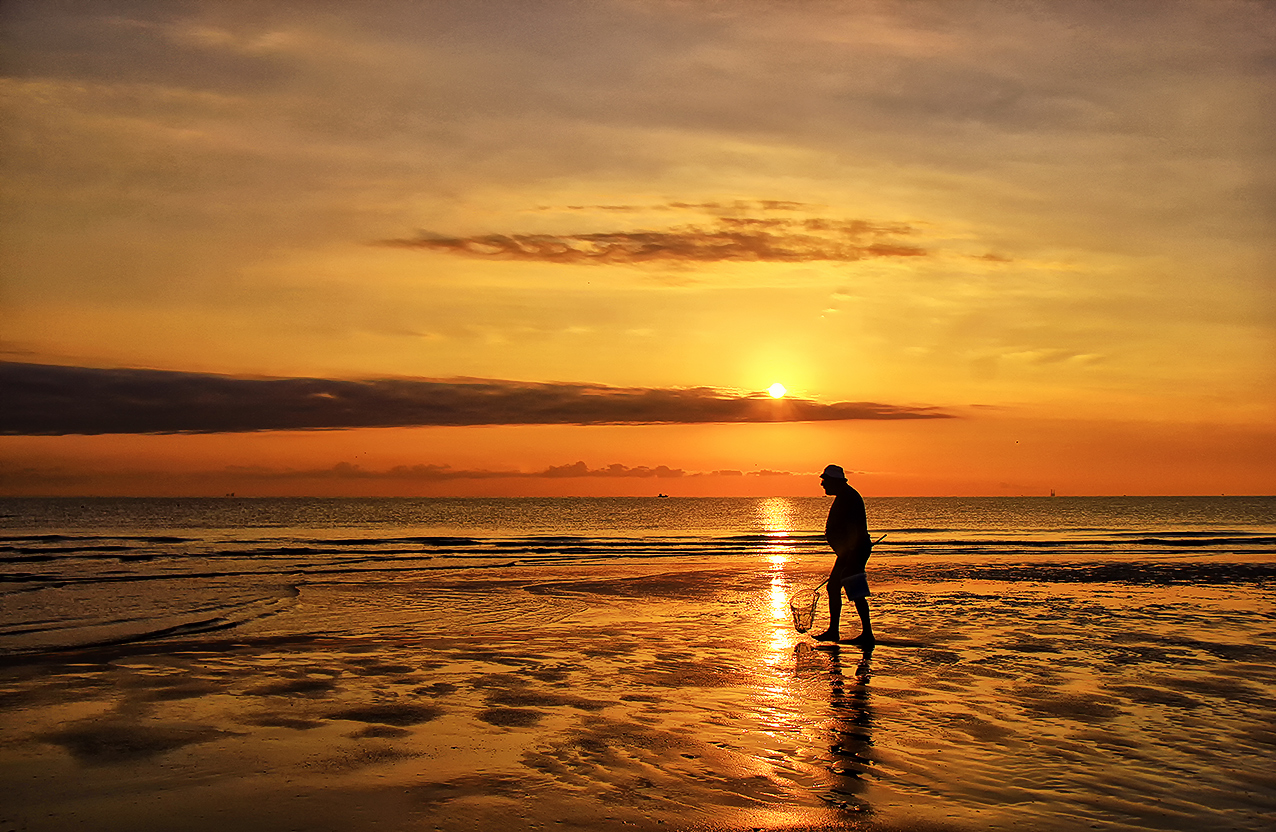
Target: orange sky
[(1050, 224)]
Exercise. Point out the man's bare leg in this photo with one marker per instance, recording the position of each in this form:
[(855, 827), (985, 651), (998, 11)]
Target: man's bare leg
[(866, 627), (835, 613)]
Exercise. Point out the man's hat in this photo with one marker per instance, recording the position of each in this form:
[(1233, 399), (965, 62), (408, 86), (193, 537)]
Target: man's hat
[(833, 472)]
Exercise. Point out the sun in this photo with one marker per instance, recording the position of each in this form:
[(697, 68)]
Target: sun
[(777, 390)]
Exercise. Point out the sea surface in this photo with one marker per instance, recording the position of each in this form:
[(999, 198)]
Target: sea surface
[(475, 664), (91, 571)]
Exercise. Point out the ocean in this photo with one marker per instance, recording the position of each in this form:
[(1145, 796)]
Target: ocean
[(457, 664), (82, 571)]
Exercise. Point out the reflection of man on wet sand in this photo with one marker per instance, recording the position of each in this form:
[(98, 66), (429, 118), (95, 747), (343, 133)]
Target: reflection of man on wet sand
[(847, 532)]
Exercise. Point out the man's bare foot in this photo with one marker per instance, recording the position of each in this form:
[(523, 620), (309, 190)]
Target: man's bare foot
[(827, 635), (862, 638)]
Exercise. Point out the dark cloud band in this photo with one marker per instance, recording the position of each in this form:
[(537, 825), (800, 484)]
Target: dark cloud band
[(16, 478), (744, 239), (436, 473), (41, 399)]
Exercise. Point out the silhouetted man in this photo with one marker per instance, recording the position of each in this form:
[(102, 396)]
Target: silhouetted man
[(847, 532)]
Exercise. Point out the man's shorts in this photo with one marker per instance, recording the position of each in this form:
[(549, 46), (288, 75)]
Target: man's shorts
[(856, 585)]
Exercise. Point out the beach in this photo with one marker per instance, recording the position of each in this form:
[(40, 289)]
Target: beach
[(1129, 688)]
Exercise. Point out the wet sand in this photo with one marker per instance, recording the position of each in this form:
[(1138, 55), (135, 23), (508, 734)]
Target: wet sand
[(670, 700)]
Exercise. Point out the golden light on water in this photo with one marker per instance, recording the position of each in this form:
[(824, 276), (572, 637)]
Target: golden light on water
[(775, 516), (779, 599), (777, 390)]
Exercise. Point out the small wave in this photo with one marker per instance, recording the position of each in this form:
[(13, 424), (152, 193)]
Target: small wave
[(917, 530), (94, 616), (72, 550), (1206, 541), (524, 542), (50, 538), (58, 538), (1139, 573), (771, 537), (380, 541), (1184, 533)]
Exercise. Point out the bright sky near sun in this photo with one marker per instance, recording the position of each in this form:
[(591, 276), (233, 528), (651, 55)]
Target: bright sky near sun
[(987, 247)]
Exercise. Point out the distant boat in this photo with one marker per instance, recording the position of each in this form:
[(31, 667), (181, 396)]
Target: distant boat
[(662, 495)]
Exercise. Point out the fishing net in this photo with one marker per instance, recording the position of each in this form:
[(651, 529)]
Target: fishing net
[(803, 604)]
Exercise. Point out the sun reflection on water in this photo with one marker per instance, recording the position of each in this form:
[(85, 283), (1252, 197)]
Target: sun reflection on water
[(775, 514)]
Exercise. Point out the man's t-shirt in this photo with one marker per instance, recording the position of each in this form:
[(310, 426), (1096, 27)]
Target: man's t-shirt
[(847, 527)]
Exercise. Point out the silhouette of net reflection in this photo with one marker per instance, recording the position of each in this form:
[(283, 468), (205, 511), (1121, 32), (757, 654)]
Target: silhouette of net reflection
[(849, 757)]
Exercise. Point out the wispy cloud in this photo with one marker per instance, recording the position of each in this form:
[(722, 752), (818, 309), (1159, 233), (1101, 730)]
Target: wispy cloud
[(732, 238), (45, 399), (443, 473), (720, 208), (24, 477)]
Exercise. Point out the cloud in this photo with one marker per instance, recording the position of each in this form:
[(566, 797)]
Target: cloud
[(711, 207), (13, 476), (441, 473), (580, 469), (757, 239), (50, 400)]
